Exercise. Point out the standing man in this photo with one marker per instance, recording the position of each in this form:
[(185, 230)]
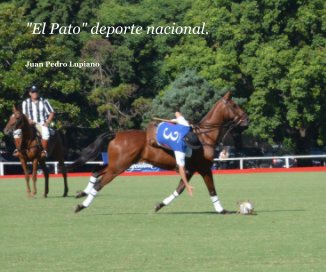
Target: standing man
[(224, 154), (178, 136), (39, 113)]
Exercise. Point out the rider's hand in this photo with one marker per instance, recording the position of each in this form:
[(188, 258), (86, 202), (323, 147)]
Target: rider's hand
[(189, 189)]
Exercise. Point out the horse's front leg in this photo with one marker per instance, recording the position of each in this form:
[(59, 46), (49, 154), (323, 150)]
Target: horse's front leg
[(208, 179), (34, 176), (178, 191), (25, 169)]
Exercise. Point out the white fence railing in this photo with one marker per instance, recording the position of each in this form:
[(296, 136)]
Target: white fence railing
[(287, 159), (241, 160), (55, 165)]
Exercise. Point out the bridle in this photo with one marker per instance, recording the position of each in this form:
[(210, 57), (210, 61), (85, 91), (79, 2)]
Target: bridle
[(206, 128), (14, 124)]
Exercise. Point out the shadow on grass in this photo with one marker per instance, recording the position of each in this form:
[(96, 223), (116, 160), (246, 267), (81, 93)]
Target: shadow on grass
[(196, 213), (192, 213), (166, 213), (59, 196)]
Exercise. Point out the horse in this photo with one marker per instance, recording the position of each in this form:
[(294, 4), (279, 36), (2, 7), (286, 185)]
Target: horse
[(131, 146), (31, 151)]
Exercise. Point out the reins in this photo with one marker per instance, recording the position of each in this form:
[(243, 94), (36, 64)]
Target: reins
[(198, 129), (206, 128)]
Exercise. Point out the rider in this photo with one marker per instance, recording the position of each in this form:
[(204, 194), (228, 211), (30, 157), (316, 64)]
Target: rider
[(39, 113), (177, 135)]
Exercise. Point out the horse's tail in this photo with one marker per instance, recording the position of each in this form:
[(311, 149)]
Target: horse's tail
[(92, 151)]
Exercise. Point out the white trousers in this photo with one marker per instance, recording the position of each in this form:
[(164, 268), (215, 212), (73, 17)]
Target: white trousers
[(45, 132)]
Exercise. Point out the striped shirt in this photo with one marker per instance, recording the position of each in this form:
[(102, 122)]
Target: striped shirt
[(38, 111)]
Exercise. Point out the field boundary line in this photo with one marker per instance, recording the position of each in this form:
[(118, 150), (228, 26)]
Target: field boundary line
[(174, 173)]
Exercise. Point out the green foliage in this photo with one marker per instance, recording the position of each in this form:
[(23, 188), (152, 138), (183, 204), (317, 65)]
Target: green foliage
[(149, 51), (19, 46), (271, 53), (113, 105), (190, 94)]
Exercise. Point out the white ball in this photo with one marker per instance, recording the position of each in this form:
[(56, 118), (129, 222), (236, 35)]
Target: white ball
[(246, 207)]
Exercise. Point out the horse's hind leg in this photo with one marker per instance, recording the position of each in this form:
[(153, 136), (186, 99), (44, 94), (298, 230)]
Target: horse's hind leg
[(63, 170), (46, 177), (34, 176), (96, 173), (174, 195), (106, 178), (58, 153)]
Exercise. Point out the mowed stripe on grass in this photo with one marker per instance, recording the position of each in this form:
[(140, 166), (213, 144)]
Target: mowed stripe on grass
[(120, 231)]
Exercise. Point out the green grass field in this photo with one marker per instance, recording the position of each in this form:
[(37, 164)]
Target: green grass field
[(120, 231)]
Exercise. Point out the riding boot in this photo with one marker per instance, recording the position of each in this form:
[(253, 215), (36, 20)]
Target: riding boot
[(18, 143), (44, 153)]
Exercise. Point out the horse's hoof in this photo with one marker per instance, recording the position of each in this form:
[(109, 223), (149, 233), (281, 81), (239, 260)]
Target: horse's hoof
[(159, 206), (80, 194), (45, 195), (79, 207), (65, 194)]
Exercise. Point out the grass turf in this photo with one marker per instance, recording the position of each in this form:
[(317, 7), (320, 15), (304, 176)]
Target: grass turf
[(120, 231)]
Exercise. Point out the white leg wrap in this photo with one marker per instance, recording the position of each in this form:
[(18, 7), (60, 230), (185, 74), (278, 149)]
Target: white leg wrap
[(217, 204), (90, 185), (90, 198), (170, 198)]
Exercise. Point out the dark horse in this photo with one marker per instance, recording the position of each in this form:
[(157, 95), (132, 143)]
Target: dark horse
[(31, 151), (128, 147)]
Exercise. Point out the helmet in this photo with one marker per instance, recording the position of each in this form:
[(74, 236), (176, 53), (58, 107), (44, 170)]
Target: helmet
[(192, 140), (33, 89)]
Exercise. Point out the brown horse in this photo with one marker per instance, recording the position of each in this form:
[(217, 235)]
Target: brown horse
[(31, 151), (128, 147)]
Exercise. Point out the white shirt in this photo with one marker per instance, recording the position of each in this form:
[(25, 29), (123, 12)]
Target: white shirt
[(37, 111), (180, 156)]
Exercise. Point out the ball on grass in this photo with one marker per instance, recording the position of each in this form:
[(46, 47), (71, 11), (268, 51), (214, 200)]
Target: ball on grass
[(246, 207)]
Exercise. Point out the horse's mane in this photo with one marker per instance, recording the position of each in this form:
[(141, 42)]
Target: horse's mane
[(27, 125), (210, 112)]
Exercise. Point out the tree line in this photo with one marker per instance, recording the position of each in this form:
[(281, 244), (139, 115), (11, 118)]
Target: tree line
[(271, 54)]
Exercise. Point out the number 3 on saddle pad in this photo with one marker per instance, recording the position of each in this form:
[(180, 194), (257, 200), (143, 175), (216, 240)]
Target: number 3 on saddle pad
[(171, 136)]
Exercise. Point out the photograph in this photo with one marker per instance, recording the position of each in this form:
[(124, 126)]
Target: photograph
[(162, 135)]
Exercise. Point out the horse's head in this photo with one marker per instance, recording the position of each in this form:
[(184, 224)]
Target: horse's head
[(16, 121), (232, 113)]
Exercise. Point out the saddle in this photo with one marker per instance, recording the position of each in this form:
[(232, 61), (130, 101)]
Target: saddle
[(151, 135)]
